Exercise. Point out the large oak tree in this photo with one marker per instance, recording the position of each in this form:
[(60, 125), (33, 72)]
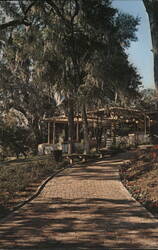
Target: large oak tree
[(73, 44)]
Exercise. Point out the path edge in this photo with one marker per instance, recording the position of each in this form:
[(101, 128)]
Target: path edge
[(127, 192), (36, 193)]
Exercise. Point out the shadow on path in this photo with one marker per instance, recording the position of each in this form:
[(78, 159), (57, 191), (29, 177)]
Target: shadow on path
[(100, 216)]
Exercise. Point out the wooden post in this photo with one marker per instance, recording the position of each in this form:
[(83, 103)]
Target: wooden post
[(49, 133), (77, 130), (53, 132), (145, 127), (149, 124)]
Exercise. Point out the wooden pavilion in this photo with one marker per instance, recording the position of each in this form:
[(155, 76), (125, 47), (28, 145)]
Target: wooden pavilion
[(111, 119)]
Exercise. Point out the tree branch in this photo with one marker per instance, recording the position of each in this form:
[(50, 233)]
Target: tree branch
[(29, 7), (77, 8), (21, 21), (22, 6), (14, 23), (55, 7)]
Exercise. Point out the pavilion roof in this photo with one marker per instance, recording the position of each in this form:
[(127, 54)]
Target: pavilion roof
[(104, 115)]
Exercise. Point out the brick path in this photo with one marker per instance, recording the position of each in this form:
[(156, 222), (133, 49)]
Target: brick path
[(85, 207)]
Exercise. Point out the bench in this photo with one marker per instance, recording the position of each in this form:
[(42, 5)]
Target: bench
[(72, 157), (106, 152)]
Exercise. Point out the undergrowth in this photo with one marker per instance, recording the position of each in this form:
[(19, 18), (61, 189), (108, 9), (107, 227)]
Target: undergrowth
[(17, 177)]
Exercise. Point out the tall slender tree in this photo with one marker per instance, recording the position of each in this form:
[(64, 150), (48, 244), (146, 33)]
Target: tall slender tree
[(151, 8)]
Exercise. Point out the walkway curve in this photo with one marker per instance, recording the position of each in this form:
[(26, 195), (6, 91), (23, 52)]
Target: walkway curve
[(82, 208)]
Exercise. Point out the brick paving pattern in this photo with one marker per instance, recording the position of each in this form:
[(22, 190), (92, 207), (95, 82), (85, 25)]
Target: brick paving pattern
[(85, 207)]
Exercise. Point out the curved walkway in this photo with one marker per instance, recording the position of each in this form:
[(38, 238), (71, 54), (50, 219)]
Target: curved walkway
[(82, 208)]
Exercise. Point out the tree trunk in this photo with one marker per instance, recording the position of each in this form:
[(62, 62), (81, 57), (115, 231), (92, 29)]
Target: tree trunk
[(116, 97), (37, 131), (152, 8), (99, 132), (70, 127), (85, 130)]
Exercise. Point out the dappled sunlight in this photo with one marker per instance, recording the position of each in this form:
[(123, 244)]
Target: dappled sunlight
[(79, 223)]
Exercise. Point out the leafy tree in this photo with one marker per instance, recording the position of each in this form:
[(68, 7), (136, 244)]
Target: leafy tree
[(19, 90), (15, 136), (125, 80), (69, 47), (148, 100)]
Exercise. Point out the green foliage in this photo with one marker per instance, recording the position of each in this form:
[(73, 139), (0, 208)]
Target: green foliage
[(79, 50), (126, 27), (148, 99), (14, 141)]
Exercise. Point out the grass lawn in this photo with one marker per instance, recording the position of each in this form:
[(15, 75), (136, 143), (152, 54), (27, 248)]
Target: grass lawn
[(20, 178), (141, 179)]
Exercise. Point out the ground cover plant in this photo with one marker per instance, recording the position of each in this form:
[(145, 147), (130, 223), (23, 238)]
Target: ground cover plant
[(140, 178), (20, 178)]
